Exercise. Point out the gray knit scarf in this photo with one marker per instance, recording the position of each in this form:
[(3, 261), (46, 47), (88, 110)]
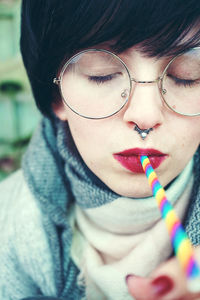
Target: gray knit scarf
[(57, 176)]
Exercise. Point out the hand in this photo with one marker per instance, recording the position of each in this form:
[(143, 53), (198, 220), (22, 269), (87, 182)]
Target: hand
[(167, 282)]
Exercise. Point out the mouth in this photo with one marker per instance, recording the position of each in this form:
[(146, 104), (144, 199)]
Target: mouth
[(130, 158)]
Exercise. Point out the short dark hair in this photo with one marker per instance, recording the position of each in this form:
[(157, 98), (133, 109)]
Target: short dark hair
[(53, 30)]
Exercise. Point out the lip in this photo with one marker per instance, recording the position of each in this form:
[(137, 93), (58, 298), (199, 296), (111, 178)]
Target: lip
[(130, 158)]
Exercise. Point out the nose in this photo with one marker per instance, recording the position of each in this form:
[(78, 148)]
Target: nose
[(145, 106)]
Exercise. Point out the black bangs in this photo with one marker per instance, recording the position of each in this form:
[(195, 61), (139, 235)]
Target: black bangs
[(53, 30), (160, 27)]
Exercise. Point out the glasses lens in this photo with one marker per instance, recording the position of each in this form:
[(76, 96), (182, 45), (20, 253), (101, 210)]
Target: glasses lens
[(181, 83), (95, 84)]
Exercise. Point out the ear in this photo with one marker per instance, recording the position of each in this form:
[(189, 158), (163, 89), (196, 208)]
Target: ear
[(60, 110)]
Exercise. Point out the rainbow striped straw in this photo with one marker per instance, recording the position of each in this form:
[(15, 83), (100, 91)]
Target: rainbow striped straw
[(180, 242)]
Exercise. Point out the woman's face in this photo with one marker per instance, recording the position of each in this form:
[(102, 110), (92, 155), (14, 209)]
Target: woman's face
[(103, 143)]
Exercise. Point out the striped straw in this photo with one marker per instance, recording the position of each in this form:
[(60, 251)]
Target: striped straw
[(180, 242)]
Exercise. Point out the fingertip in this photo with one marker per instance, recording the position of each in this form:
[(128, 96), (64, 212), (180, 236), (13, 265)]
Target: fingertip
[(162, 285), (139, 287)]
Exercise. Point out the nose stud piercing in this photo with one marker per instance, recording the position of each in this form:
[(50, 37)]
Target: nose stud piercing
[(143, 133)]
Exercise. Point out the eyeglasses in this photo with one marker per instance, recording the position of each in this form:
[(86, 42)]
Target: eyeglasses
[(97, 84)]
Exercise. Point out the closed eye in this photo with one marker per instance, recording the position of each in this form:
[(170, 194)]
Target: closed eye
[(103, 78), (183, 82)]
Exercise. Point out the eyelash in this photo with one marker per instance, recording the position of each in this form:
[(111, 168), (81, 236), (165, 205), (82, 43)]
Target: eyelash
[(184, 82), (104, 79), (101, 79)]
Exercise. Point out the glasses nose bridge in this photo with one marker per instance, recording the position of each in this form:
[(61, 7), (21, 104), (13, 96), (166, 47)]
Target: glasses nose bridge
[(147, 81)]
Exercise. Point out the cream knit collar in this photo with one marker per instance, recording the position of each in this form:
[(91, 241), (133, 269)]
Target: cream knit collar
[(122, 237)]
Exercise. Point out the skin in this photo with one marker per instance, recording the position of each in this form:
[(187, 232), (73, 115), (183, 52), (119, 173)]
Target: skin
[(98, 140), (139, 287), (175, 135)]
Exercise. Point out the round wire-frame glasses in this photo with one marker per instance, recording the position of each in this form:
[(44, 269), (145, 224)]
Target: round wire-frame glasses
[(159, 81)]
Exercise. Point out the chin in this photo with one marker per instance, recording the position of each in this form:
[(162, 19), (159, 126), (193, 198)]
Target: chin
[(133, 193)]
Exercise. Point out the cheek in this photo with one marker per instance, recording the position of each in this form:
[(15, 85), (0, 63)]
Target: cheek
[(91, 133), (88, 137), (188, 136), (192, 132)]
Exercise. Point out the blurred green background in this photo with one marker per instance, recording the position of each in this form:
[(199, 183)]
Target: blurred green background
[(18, 114)]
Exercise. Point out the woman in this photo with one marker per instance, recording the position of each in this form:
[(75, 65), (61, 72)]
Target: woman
[(114, 80)]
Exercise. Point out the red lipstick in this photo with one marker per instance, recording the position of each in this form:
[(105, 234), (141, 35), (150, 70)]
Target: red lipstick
[(130, 158)]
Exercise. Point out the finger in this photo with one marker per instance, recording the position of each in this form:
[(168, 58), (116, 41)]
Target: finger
[(159, 288), (167, 282), (139, 287), (172, 270)]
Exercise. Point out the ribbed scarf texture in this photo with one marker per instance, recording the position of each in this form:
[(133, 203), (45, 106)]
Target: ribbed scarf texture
[(53, 170)]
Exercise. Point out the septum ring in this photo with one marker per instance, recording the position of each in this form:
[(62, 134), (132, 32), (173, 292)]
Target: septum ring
[(142, 132)]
